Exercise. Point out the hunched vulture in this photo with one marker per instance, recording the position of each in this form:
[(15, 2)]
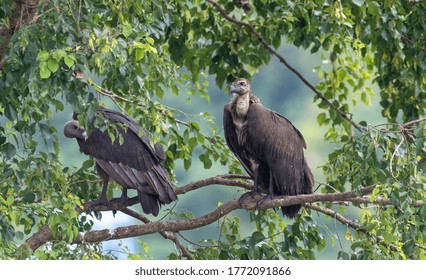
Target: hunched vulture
[(134, 163), (268, 146)]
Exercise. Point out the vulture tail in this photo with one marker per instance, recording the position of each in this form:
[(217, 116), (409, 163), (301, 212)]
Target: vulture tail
[(291, 211), (161, 182), (306, 188), (150, 203)]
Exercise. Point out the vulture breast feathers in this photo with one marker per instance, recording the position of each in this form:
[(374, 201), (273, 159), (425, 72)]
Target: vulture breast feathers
[(268, 146), (130, 161)]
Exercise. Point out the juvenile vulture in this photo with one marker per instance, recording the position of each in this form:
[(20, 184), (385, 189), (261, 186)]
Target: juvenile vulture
[(133, 163), (268, 146)]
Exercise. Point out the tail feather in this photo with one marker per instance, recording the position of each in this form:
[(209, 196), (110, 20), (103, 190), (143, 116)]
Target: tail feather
[(150, 203), (307, 184), (291, 211)]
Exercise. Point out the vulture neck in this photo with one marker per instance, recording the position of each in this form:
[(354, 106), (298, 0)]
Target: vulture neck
[(242, 104)]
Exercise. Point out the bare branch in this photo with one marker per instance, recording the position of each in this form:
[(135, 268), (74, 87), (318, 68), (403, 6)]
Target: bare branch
[(168, 235), (252, 29)]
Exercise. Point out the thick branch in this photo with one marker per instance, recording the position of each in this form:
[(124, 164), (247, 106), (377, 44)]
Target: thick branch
[(45, 234), (265, 44), (180, 225)]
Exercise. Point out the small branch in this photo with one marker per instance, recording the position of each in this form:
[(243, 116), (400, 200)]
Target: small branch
[(168, 235), (350, 224), (219, 180), (410, 123), (265, 44), (113, 96), (380, 201)]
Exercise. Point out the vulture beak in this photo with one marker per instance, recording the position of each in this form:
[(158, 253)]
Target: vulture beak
[(233, 88), (240, 87), (236, 89), (72, 130)]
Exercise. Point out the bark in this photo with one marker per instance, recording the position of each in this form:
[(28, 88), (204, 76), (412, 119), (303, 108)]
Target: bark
[(23, 12)]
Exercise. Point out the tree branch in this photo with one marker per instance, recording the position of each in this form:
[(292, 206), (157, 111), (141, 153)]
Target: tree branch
[(351, 224), (251, 203), (252, 29), (168, 235), (23, 12)]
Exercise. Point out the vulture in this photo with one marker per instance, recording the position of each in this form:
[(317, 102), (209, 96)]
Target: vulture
[(129, 160), (268, 146)]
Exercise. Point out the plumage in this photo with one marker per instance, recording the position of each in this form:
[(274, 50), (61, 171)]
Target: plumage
[(268, 146), (134, 163)]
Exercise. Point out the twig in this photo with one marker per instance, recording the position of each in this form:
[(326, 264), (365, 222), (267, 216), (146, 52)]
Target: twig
[(350, 223), (168, 235), (114, 96), (253, 30)]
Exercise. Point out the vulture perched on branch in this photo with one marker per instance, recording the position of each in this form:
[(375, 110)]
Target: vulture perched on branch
[(129, 159), (268, 146)]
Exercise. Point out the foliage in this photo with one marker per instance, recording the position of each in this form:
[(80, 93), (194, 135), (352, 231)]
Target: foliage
[(137, 53)]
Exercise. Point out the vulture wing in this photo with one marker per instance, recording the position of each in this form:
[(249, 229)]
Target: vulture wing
[(232, 141), (278, 146), (133, 164)]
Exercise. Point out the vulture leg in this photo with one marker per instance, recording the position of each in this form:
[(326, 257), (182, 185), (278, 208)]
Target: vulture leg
[(270, 194), (123, 198), (255, 189), (104, 199)]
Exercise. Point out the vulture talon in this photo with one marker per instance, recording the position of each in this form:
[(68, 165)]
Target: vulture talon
[(263, 200), (247, 195), (98, 202)]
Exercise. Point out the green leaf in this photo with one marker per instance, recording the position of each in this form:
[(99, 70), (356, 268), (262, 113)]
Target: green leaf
[(359, 3), (149, 40), (43, 56), (9, 150), (187, 163), (44, 70), (321, 118), (127, 30), (9, 200), (374, 8), (69, 60), (53, 65), (140, 54)]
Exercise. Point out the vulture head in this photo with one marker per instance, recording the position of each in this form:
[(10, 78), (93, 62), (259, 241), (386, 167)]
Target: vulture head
[(73, 130), (240, 86)]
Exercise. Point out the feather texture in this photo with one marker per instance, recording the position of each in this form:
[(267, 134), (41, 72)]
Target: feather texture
[(134, 163), (268, 146)]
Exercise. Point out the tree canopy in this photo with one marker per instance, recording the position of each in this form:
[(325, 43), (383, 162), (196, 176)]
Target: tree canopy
[(80, 55)]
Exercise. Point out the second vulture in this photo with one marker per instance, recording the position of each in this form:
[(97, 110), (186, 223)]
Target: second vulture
[(132, 162), (268, 146)]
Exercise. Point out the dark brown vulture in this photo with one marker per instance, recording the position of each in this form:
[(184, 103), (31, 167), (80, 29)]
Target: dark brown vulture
[(134, 164), (268, 146)]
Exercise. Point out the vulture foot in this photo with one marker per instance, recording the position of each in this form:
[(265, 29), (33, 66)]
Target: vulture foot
[(248, 196), (263, 199), (98, 202)]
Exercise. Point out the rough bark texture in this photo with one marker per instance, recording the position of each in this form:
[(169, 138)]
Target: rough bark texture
[(23, 12)]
